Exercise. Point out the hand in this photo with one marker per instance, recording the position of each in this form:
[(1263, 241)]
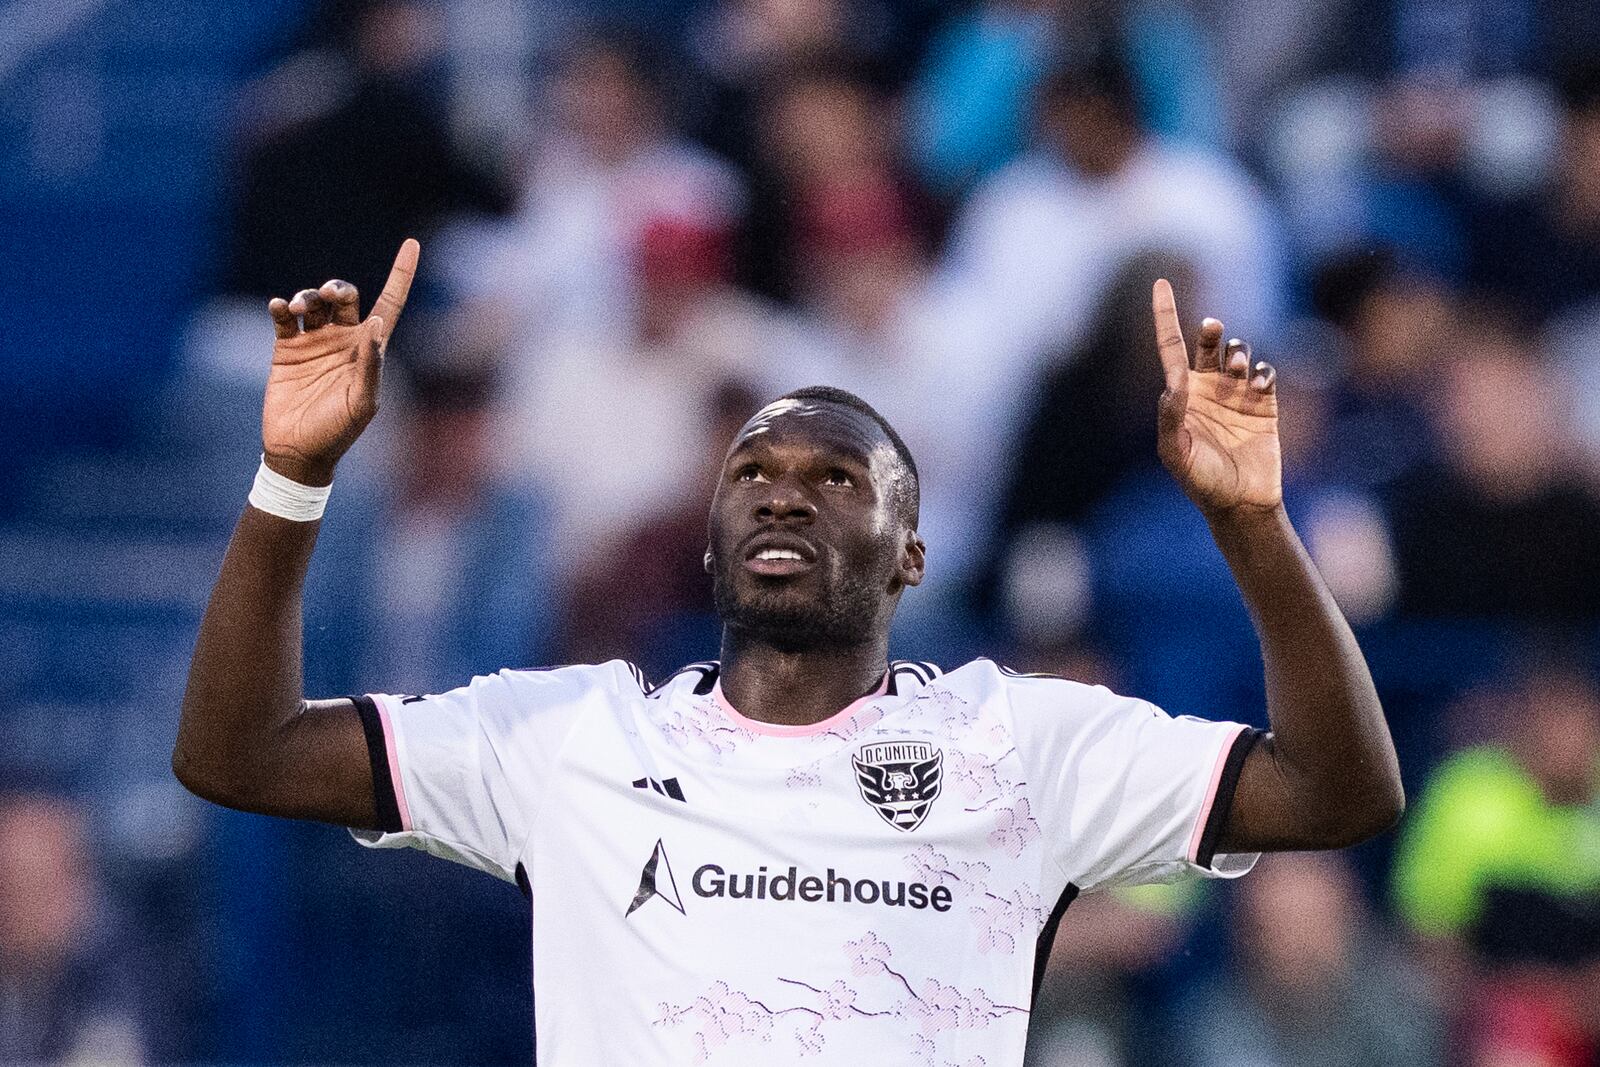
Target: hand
[(1218, 419), (323, 387)]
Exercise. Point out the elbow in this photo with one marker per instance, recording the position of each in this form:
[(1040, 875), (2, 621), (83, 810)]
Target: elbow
[(1389, 806), (191, 777), (208, 783), (1374, 811)]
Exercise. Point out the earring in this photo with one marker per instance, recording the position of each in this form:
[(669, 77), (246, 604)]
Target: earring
[(707, 561)]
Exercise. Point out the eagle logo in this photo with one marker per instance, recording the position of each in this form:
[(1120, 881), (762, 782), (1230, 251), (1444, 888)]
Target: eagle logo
[(900, 780)]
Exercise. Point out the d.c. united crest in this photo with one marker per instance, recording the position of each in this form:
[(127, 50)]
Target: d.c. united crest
[(900, 779)]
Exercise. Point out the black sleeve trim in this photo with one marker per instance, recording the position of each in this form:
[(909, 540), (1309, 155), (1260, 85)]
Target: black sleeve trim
[(1222, 803), (521, 876), (383, 798), (1047, 936)]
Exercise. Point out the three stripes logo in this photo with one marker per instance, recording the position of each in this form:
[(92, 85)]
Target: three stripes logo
[(667, 787)]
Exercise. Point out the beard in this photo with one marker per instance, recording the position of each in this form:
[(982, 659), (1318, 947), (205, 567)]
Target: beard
[(844, 614)]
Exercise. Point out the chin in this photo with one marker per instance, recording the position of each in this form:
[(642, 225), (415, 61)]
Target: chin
[(784, 615)]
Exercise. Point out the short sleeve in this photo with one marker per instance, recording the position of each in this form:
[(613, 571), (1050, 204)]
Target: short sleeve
[(460, 774), (1127, 794)]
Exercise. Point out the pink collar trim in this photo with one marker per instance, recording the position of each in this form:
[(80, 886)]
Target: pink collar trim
[(773, 729)]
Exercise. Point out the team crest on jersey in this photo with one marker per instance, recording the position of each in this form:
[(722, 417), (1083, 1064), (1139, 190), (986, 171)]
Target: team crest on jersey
[(900, 780)]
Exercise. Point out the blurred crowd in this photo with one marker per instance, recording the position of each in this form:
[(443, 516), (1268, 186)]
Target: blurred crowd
[(637, 228)]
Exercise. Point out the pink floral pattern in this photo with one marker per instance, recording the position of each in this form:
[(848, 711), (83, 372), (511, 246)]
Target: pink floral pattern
[(1014, 828), (700, 726), (721, 1015)]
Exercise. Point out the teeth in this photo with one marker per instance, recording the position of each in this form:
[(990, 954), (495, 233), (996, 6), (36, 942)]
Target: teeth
[(777, 553)]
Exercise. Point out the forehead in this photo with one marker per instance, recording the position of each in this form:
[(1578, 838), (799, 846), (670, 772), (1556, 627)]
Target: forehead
[(816, 424)]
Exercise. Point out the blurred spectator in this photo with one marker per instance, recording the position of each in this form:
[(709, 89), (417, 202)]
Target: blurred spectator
[(1505, 839), (969, 108), (65, 995), (741, 48), (1499, 526), (1093, 419), (603, 421), (610, 167), (346, 157), (1499, 871), (1394, 330), (433, 568), (649, 599), (1542, 254), (1039, 241), (1086, 485), (833, 167), (1546, 1017), (1424, 115), (877, 321), (1315, 981), (750, 51), (1546, 253)]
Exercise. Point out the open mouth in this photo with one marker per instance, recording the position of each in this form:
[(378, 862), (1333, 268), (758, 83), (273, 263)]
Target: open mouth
[(779, 555)]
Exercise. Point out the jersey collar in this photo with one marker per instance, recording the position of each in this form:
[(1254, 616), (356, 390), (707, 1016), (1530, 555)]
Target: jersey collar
[(770, 729)]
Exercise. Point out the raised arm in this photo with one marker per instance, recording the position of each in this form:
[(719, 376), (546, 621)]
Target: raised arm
[(1326, 776), (247, 737)]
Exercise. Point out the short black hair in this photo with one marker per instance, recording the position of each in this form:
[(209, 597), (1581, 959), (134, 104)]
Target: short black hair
[(829, 394)]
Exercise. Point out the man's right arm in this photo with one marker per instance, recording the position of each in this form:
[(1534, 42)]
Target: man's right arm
[(247, 738)]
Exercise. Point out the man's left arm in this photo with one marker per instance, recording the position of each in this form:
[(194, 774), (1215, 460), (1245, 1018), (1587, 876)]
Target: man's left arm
[(1326, 776)]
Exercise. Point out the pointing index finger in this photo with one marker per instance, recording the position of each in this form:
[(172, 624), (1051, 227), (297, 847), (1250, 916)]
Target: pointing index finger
[(1169, 336), (393, 298)]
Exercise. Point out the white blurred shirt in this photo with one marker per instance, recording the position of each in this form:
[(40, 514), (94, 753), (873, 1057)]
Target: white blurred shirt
[(1038, 245)]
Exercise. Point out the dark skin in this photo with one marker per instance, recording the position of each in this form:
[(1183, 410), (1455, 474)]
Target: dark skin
[(817, 488), (822, 480)]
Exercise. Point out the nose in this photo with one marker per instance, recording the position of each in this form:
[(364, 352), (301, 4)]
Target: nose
[(787, 502)]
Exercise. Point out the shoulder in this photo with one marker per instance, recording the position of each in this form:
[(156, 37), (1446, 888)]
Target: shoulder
[(516, 694), (614, 673), (1028, 690)]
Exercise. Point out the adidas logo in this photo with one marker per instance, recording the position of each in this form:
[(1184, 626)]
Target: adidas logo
[(667, 787)]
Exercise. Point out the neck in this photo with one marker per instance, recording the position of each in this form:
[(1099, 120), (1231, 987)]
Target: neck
[(798, 688)]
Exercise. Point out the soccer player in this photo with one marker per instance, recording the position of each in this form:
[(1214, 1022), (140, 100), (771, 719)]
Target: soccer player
[(801, 852)]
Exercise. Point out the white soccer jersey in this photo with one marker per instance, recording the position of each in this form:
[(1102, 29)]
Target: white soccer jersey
[(880, 887)]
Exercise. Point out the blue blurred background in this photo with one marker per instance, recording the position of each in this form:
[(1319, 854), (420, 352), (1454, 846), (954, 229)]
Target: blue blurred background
[(639, 222)]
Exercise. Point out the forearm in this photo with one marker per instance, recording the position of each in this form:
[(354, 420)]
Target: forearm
[(1330, 749), (245, 679)]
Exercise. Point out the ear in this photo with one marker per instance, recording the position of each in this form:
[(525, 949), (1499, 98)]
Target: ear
[(710, 562), (913, 560)]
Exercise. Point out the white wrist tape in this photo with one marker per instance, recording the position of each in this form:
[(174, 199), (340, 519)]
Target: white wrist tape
[(286, 498)]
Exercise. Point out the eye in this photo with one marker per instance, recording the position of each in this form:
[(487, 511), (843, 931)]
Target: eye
[(840, 478), (749, 473)]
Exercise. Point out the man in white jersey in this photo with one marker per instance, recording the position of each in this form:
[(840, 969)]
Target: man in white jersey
[(801, 852)]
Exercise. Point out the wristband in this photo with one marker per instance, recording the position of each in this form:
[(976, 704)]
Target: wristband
[(286, 498)]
